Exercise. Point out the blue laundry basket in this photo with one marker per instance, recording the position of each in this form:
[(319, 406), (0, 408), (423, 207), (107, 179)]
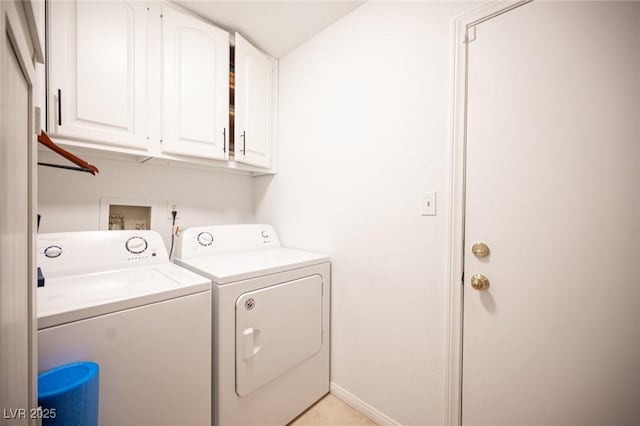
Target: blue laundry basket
[(68, 394)]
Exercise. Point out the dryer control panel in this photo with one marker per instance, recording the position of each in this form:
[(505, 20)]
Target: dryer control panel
[(208, 240), (71, 253)]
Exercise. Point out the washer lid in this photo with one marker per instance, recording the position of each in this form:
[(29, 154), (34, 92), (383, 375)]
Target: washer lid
[(225, 268), (77, 297)]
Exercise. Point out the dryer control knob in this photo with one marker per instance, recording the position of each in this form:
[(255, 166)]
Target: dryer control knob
[(136, 245), (205, 239), (265, 234)]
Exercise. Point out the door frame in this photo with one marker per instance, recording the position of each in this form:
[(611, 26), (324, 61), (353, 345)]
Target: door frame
[(25, 40), (457, 170)]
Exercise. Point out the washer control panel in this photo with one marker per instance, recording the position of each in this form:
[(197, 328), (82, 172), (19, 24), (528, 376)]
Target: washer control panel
[(96, 251)]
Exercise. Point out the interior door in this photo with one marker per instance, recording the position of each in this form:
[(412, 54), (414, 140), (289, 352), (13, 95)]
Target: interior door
[(17, 224), (98, 71), (552, 188), (253, 104), (195, 86)]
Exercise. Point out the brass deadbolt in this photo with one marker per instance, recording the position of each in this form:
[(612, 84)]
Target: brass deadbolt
[(480, 250)]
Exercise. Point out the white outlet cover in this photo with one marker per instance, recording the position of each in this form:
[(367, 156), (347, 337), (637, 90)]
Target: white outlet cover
[(172, 205), (428, 204)]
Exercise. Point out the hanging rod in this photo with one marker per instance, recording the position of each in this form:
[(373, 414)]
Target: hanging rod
[(62, 166), (82, 166)]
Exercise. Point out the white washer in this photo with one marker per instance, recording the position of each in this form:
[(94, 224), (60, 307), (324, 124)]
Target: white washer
[(114, 298), (271, 322)]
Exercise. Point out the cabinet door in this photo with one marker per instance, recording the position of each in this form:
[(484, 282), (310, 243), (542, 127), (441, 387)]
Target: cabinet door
[(253, 104), (195, 86), (97, 72)]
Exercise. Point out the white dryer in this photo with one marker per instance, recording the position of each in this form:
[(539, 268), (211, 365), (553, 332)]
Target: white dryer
[(270, 318), (114, 298)]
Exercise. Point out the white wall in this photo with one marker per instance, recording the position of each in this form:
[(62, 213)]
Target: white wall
[(70, 201), (364, 128)]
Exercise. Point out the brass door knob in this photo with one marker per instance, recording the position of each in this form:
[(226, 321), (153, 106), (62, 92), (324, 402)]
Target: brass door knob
[(480, 250), (479, 282)]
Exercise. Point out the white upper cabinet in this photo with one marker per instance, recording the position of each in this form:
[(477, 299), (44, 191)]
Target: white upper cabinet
[(151, 80), (195, 86), (254, 78), (97, 72)]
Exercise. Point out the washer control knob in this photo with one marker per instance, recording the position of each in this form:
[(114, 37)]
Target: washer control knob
[(205, 239), (136, 245), (53, 251), (265, 234)]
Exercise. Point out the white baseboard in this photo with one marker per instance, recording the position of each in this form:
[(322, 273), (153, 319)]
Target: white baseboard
[(361, 406)]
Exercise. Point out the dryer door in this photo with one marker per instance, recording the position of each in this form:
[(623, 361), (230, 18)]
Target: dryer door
[(277, 328)]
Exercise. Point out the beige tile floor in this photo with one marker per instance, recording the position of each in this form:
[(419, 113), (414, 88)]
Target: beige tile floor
[(330, 411)]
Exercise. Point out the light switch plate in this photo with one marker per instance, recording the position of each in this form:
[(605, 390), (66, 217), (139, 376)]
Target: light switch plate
[(428, 204)]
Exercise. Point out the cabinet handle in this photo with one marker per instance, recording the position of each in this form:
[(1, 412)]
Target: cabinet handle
[(224, 139), (59, 107), (244, 143)]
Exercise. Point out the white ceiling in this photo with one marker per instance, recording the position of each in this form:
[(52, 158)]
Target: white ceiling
[(275, 27)]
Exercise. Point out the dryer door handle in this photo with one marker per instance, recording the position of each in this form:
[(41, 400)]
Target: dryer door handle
[(249, 340)]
